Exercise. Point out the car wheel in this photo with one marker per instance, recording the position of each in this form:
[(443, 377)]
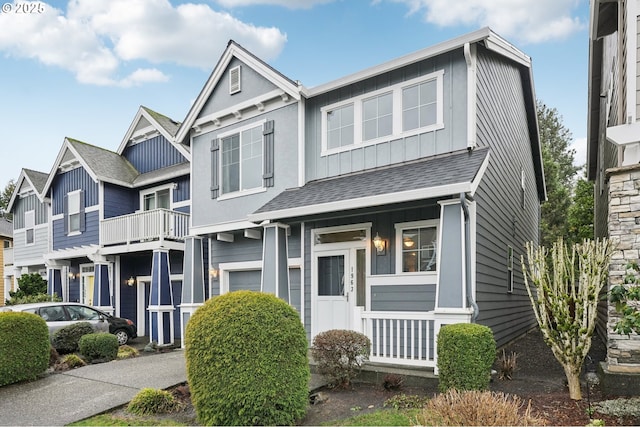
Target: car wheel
[(122, 335)]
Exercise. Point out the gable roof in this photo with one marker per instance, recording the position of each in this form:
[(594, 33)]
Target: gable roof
[(234, 50), (437, 176), (36, 180), (146, 117)]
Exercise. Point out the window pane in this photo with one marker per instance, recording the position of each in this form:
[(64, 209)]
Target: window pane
[(331, 275), (419, 249), (73, 201), (377, 110), (347, 115), (370, 108), (428, 115), (149, 202), (385, 125), (369, 130), (231, 163), (346, 136), (252, 173), (30, 238), (409, 262), (410, 119), (333, 139), (428, 92), (410, 97), (340, 127), (74, 222)]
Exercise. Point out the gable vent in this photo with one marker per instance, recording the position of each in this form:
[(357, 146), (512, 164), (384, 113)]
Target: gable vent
[(234, 80)]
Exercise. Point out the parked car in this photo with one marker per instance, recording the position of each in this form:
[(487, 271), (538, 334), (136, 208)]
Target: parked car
[(61, 314)]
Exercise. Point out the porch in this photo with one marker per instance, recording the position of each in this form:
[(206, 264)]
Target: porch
[(153, 225)]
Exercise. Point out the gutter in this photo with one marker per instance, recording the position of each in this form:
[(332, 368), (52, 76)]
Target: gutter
[(467, 258)]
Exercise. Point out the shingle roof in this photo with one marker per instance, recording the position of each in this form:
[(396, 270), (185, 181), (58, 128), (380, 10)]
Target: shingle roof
[(38, 179), (107, 165), (439, 171), (167, 123)]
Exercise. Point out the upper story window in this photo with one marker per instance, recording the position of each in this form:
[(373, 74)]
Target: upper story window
[(399, 111), (73, 212), (417, 247), (29, 227), (156, 199)]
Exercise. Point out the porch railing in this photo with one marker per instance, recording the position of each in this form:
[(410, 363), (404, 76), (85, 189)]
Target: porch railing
[(8, 256), (157, 224), (404, 338)]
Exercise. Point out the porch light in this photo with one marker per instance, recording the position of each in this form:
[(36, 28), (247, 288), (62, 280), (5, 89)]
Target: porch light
[(379, 244), (71, 275), (131, 281), (213, 272)]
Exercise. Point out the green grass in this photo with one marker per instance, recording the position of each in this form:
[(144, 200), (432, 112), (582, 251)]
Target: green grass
[(381, 417), (113, 420)]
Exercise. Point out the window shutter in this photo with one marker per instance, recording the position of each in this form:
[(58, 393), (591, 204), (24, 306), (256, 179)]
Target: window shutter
[(234, 80), (65, 213), (81, 213), (269, 153), (215, 164)]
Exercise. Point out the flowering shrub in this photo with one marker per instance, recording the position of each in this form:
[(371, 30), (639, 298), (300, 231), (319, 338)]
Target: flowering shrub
[(340, 355)]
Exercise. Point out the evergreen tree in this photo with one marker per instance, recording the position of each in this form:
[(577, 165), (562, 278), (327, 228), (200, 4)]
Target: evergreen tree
[(5, 198), (580, 216)]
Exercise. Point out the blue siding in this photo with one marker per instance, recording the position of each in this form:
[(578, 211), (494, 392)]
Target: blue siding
[(182, 193), (155, 153), (88, 237), (75, 179), (119, 201)]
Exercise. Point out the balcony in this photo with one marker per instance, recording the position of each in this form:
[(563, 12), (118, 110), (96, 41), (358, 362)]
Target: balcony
[(146, 226), (8, 256)]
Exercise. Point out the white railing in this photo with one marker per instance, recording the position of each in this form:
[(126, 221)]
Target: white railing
[(157, 224), (404, 338), (8, 256)]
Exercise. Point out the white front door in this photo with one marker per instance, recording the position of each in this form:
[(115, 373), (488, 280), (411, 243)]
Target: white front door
[(340, 288), (86, 283)]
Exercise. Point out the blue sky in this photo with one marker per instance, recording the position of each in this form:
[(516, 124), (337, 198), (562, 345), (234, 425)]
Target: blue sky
[(82, 68)]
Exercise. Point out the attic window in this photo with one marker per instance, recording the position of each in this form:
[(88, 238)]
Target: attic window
[(234, 80)]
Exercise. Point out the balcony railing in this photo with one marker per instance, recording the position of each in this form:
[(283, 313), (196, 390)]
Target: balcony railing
[(8, 256), (157, 224)]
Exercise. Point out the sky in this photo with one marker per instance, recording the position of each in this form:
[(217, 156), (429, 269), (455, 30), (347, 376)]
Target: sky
[(82, 68)]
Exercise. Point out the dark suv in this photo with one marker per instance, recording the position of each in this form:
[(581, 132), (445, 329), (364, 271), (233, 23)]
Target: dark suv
[(60, 314)]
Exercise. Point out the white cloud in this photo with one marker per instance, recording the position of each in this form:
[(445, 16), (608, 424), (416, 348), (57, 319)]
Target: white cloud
[(529, 21), (96, 39), (580, 157), (291, 4)]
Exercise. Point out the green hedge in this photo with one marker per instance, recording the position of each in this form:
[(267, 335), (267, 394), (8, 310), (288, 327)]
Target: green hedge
[(99, 346), (247, 361), (24, 340), (67, 339), (466, 352)]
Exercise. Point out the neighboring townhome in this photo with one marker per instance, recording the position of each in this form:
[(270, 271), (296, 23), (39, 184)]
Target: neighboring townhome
[(118, 220), (6, 259), (31, 235), (613, 163), (391, 201)]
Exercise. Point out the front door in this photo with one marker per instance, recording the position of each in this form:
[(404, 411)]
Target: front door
[(86, 283), (340, 278)]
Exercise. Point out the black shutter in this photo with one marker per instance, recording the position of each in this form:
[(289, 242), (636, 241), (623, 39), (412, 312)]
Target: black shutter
[(65, 213), (215, 185), (269, 152), (82, 219)]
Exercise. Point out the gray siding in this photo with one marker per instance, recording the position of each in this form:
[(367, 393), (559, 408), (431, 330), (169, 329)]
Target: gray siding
[(23, 253), (403, 298), (451, 138), (26, 204), (244, 280), (501, 219)]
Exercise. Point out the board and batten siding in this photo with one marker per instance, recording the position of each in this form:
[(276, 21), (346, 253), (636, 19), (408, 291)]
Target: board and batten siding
[(66, 182), (26, 204), (395, 150), (153, 154), (502, 220)]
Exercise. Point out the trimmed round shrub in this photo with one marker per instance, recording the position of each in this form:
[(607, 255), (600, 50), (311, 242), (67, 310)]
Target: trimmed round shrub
[(247, 361), (150, 401), (24, 340), (100, 346), (340, 355), (66, 340), (466, 352)]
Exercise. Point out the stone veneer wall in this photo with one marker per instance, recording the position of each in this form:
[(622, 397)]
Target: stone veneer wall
[(623, 352)]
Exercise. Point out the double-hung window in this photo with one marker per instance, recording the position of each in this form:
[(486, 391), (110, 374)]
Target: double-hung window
[(73, 211), (417, 247), (29, 227), (241, 162), (401, 110)]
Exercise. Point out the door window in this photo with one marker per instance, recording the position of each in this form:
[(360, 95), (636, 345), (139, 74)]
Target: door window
[(331, 275)]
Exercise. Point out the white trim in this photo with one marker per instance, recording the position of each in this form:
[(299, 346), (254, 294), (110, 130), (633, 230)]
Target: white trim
[(224, 268), (301, 142), (397, 109), (401, 279), (155, 190), (71, 212), (242, 193), (399, 227), (221, 228), (632, 59), (470, 56), (32, 214)]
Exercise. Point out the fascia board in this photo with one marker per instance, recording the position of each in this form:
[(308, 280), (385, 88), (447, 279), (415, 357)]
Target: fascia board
[(364, 202), (16, 190), (221, 228)]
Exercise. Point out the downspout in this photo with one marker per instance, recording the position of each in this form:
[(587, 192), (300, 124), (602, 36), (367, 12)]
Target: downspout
[(467, 258), (470, 58)]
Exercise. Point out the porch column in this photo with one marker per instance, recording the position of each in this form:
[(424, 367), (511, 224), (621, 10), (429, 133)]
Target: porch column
[(193, 282), (161, 300), (54, 281), (275, 263), (451, 283), (102, 287)]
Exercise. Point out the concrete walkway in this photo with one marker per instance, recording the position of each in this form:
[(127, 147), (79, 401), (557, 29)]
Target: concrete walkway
[(62, 398)]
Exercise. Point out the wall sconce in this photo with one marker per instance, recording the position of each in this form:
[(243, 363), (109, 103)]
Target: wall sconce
[(213, 272), (379, 244), (131, 281), (71, 275)]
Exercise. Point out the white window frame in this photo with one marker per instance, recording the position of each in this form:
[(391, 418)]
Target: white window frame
[(237, 87), (71, 212), (239, 193), (155, 190), (400, 227), (30, 225), (510, 256), (397, 131)]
